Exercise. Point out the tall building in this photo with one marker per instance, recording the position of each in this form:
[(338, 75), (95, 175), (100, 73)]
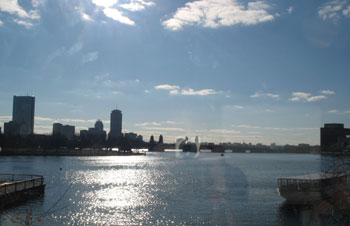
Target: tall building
[(99, 126), (116, 124), (334, 137), (22, 116)]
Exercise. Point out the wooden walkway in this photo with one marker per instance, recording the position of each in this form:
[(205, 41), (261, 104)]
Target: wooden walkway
[(11, 184)]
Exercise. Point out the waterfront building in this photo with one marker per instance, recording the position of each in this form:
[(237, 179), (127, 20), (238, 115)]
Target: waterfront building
[(333, 137), (22, 116), (66, 130), (116, 124)]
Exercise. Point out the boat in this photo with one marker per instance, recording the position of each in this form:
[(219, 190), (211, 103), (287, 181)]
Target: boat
[(306, 189)]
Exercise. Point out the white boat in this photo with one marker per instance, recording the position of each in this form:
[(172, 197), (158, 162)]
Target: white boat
[(312, 187)]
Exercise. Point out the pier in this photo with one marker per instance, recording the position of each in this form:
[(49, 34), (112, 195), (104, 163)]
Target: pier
[(16, 188)]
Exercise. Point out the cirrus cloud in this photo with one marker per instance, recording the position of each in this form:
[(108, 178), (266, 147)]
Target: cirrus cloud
[(218, 13), (333, 10)]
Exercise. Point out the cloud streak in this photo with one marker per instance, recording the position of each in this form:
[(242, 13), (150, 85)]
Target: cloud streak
[(218, 13), (174, 90), (90, 57), (260, 95), (301, 96), (334, 10)]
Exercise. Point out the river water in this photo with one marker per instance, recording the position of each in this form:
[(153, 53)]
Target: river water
[(163, 189)]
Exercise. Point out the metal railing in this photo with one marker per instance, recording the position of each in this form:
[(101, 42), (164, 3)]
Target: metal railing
[(10, 183)]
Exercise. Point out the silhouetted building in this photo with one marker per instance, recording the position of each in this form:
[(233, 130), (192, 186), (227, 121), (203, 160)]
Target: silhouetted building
[(84, 133), (116, 124), (334, 137), (65, 130), (22, 116), (130, 136), (99, 126)]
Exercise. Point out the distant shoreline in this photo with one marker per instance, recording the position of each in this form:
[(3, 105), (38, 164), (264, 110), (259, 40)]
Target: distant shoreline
[(65, 152), (103, 152)]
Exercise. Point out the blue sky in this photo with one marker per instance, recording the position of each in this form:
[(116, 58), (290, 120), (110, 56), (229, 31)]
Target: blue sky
[(225, 70)]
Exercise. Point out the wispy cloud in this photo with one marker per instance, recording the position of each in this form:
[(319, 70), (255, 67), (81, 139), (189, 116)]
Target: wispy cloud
[(273, 128), (290, 9), (217, 13), (271, 95), (301, 96), (22, 17), (90, 57), (203, 92), (118, 16), (113, 10), (327, 92), (143, 124), (136, 5), (238, 107), (164, 128), (224, 131), (167, 87), (174, 90), (65, 51), (105, 3), (75, 48), (86, 17), (247, 126), (334, 111), (333, 10)]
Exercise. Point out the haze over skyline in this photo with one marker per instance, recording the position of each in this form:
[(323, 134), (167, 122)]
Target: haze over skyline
[(223, 70)]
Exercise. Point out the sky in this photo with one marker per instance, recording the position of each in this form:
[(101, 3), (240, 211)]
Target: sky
[(224, 70)]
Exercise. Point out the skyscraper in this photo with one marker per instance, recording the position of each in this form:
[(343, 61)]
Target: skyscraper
[(116, 124), (99, 126), (23, 114)]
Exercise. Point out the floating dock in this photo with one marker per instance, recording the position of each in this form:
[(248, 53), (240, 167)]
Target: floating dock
[(16, 188)]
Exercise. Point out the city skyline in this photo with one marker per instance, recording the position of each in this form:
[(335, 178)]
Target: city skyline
[(259, 72)]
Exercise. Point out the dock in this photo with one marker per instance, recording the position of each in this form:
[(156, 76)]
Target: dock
[(16, 188)]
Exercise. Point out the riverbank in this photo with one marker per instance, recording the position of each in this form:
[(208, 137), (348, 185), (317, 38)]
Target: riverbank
[(65, 152)]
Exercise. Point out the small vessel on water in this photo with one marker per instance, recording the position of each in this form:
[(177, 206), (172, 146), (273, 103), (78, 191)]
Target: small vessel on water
[(312, 187)]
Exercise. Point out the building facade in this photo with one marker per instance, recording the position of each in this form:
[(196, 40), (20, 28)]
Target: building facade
[(116, 124), (22, 116), (66, 130), (334, 137)]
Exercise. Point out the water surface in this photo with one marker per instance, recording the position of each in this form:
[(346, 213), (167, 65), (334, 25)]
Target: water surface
[(163, 188)]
